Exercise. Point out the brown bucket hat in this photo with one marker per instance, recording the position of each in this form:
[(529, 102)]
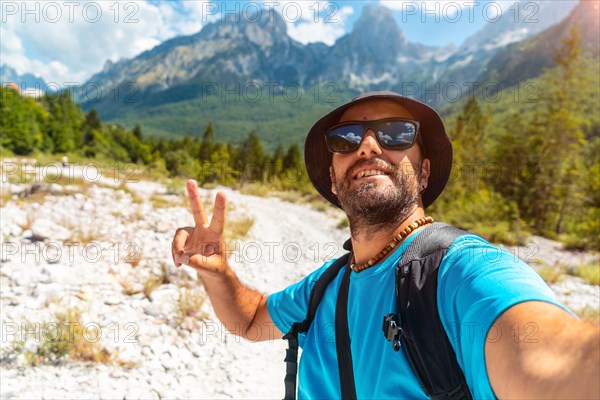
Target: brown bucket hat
[(436, 144)]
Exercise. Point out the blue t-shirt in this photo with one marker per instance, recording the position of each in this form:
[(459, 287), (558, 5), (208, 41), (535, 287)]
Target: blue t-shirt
[(476, 283)]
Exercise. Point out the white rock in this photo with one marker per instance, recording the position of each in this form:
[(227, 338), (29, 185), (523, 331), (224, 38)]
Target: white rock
[(139, 393), (168, 361), (113, 301), (132, 355), (43, 228)]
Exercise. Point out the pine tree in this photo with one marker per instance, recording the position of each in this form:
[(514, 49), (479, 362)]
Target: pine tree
[(92, 123), (208, 143), (64, 122), (252, 159), (137, 131), (276, 163)]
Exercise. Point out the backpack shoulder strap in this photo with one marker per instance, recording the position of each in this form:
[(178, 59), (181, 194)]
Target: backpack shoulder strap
[(316, 294), (425, 341), (435, 237)]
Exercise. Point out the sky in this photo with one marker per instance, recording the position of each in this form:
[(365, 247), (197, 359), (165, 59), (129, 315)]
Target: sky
[(67, 41)]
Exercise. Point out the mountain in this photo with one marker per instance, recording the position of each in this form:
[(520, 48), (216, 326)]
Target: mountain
[(529, 58), (520, 21), (26, 82), (376, 54), (221, 51), (243, 75)]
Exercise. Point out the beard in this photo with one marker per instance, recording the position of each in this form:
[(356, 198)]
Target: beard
[(371, 208)]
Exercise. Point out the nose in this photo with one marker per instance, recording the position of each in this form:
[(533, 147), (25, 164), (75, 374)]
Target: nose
[(369, 145)]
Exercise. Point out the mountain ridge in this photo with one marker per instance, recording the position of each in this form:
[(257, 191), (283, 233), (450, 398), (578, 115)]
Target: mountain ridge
[(187, 78)]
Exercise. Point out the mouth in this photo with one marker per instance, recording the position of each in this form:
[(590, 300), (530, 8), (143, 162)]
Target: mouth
[(367, 173)]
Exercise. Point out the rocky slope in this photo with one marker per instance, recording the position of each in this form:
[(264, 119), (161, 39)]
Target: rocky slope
[(104, 249)]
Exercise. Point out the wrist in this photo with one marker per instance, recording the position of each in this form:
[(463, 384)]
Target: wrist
[(212, 274)]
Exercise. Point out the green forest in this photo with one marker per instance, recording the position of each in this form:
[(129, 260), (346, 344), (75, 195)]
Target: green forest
[(520, 167)]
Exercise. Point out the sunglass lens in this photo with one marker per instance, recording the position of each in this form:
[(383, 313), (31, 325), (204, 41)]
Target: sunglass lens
[(344, 138), (397, 134)]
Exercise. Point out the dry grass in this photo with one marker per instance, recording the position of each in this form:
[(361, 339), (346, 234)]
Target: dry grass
[(135, 198), (67, 337), (320, 204), (85, 234), (189, 304), (128, 288), (255, 189), (552, 273), (5, 197), (167, 201), (150, 285), (154, 281), (589, 273), (134, 254), (590, 314), (343, 223), (176, 186), (238, 228), (291, 196)]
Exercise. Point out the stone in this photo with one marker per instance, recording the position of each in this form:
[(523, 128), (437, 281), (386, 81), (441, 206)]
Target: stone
[(112, 301), (168, 361), (43, 229)]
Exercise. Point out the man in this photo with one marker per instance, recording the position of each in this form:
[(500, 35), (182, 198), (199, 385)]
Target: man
[(383, 158)]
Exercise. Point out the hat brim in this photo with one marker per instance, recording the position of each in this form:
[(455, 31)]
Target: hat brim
[(433, 135)]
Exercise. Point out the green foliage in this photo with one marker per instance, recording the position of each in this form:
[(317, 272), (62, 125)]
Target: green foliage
[(534, 162), (529, 162), (64, 122), (21, 123), (468, 201), (277, 118)]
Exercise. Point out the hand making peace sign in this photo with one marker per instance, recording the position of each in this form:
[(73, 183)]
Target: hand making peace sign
[(202, 247)]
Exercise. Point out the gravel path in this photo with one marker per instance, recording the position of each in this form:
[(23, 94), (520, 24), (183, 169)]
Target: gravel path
[(118, 244)]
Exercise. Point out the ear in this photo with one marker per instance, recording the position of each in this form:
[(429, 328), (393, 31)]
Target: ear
[(332, 177), (425, 172)]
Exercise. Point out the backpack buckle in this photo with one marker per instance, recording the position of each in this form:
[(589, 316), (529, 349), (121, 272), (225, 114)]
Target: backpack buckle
[(392, 330)]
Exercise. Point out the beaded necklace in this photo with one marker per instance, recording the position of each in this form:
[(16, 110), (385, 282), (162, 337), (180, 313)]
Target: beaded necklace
[(398, 239)]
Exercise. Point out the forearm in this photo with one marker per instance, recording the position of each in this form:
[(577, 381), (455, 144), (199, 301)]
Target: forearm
[(234, 303), (561, 359), (566, 366)]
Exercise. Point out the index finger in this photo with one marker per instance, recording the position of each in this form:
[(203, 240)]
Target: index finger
[(196, 203)]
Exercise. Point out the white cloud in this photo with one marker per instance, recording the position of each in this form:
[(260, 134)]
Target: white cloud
[(70, 41), (13, 54)]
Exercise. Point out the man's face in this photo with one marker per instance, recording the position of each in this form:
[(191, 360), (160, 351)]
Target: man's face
[(373, 182)]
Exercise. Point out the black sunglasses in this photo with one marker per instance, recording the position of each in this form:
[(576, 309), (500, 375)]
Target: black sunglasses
[(391, 134)]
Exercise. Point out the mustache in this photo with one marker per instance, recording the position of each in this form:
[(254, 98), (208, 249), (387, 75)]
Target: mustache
[(370, 162)]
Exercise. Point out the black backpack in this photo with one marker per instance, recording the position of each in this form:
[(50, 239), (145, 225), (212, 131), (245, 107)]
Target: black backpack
[(424, 340)]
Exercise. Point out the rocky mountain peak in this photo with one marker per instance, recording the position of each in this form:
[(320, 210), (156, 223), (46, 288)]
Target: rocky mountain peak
[(260, 27), (377, 22)]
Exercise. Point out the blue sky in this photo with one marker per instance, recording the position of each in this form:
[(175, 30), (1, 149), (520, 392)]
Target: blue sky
[(68, 41)]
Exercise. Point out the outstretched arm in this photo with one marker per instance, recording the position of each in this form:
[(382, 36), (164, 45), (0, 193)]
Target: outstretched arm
[(562, 359), (241, 309)]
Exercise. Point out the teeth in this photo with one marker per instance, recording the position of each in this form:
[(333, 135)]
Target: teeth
[(369, 172)]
